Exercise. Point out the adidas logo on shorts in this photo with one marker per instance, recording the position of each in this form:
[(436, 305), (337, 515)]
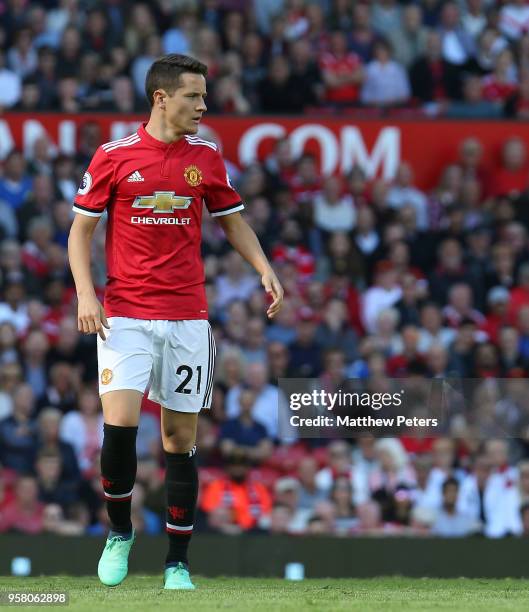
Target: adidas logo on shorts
[(135, 177)]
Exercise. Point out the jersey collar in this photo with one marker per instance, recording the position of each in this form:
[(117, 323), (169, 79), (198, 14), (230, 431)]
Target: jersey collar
[(146, 137)]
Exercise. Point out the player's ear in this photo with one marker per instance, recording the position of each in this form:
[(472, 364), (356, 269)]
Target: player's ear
[(160, 96)]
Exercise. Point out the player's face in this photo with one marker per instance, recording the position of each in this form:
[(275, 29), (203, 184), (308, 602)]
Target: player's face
[(184, 109)]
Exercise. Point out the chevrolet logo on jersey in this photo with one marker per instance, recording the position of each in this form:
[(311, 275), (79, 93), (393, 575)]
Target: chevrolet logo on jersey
[(163, 202)]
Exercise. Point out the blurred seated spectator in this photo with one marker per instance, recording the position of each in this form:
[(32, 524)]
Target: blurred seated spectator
[(309, 492), (386, 82), (289, 248), (305, 351), (409, 38), (339, 463), (393, 471), (402, 192), (384, 293), (48, 422), (458, 46), (244, 433), (341, 71), (266, 399), (282, 92), (431, 77), (236, 282), (54, 521), (511, 177), (450, 270), (334, 211), (341, 496), (334, 331), (52, 488), (514, 19), (432, 330), (489, 500), (18, 432), (460, 306), (62, 388), (306, 70), (10, 84), (245, 502), (144, 520), (283, 327), (83, 428), (517, 104), (502, 82), (473, 105), (451, 522), (25, 513), (520, 292), (34, 348), (15, 183)]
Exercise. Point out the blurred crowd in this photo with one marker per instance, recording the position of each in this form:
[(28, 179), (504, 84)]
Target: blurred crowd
[(456, 58), (381, 280)]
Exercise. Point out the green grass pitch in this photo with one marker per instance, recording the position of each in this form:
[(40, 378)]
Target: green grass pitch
[(145, 593)]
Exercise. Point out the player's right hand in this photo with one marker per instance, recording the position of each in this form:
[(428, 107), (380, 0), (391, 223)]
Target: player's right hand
[(91, 318)]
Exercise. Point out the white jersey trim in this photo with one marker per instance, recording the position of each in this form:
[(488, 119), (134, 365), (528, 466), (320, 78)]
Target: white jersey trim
[(193, 140), (82, 211), (221, 213), (123, 142)]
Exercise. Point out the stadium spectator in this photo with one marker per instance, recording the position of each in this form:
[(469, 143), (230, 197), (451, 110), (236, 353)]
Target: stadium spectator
[(25, 513), (246, 502), (383, 294), (450, 522), (18, 432), (386, 82), (10, 84), (409, 37), (341, 71), (83, 428), (244, 433)]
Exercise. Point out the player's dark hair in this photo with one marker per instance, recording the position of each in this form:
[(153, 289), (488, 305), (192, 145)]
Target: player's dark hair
[(165, 73)]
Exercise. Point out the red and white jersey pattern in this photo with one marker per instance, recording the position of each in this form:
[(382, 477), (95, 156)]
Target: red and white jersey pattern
[(154, 193)]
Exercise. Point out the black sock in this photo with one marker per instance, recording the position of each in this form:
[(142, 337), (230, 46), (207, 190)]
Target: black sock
[(181, 481), (118, 474)]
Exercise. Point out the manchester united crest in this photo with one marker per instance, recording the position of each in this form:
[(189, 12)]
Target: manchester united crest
[(106, 376), (193, 176)]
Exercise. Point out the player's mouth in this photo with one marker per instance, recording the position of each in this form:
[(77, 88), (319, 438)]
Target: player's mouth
[(196, 120)]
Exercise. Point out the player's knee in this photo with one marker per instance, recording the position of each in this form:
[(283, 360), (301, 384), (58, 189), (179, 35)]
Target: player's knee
[(178, 441)]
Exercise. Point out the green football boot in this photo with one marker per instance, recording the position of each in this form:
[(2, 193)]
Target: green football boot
[(177, 577), (114, 563)]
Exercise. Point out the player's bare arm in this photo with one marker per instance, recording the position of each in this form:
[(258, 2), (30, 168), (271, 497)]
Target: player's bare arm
[(243, 239), (90, 313)]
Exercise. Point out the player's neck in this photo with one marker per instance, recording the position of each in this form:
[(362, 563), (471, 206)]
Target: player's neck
[(158, 129)]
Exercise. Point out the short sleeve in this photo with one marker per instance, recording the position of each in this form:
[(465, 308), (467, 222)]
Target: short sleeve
[(220, 197), (96, 186)]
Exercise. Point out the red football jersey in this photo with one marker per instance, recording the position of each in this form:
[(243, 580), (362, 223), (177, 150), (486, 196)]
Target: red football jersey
[(153, 192)]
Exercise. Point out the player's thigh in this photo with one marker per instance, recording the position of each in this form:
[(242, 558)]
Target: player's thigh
[(179, 430), (125, 361), (183, 368), (122, 407)]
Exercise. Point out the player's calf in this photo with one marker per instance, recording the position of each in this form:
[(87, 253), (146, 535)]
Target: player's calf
[(181, 481)]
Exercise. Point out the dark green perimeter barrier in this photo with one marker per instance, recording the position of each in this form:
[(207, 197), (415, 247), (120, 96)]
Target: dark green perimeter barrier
[(215, 555)]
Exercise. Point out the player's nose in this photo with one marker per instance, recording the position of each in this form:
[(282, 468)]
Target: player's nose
[(202, 108)]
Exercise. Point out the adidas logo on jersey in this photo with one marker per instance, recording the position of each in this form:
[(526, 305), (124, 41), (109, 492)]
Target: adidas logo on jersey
[(135, 177)]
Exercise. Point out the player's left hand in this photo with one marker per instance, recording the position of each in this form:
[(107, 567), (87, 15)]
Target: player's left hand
[(273, 288)]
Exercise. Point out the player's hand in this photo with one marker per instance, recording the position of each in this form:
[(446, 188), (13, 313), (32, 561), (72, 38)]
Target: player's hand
[(91, 318), (273, 288)]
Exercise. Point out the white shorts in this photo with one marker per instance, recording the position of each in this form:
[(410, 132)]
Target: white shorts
[(176, 357)]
